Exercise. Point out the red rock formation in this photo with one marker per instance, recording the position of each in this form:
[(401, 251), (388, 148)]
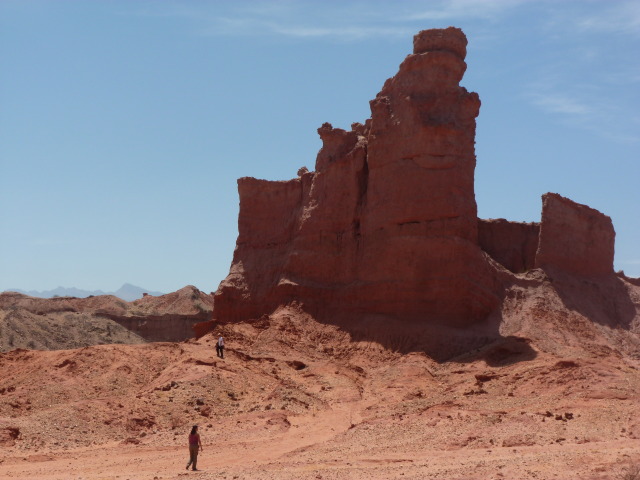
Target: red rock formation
[(512, 244), (574, 238), (387, 223), (268, 216)]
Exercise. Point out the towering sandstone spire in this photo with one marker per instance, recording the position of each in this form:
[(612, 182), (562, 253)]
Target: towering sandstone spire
[(387, 223), (386, 226)]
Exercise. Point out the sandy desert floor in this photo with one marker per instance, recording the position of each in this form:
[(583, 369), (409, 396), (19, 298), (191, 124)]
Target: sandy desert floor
[(554, 399)]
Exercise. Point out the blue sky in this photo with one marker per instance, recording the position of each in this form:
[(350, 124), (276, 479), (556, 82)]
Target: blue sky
[(124, 125)]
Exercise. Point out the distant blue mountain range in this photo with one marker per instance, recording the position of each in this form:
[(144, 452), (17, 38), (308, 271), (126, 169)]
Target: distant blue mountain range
[(126, 292)]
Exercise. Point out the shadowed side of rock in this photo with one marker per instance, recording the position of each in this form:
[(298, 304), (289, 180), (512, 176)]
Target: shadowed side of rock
[(512, 244)]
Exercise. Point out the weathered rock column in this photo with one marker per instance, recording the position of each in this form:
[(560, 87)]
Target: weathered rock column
[(420, 224)]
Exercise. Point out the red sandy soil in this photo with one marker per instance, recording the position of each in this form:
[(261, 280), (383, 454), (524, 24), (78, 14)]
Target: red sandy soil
[(553, 396)]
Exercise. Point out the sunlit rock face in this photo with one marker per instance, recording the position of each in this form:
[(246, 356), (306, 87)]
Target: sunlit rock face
[(574, 238), (386, 226), (387, 222)]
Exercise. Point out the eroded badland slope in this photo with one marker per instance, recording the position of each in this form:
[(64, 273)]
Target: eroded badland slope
[(554, 398), (69, 322)]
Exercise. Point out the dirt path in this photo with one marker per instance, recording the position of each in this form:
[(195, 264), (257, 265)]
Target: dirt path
[(251, 460)]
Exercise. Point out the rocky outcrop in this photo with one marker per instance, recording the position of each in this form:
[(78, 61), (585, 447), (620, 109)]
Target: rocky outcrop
[(512, 244), (387, 223), (574, 238), (631, 280), (571, 238), (386, 226)]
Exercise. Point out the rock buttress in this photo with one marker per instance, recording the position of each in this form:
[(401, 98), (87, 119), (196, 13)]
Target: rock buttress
[(574, 238), (420, 256), (268, 215)]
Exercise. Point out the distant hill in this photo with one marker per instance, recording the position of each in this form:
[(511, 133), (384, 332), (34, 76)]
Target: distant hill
[(130, 292), (126, 292), (66, 322)]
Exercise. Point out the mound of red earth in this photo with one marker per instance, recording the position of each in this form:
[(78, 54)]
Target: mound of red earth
[(69, 322)]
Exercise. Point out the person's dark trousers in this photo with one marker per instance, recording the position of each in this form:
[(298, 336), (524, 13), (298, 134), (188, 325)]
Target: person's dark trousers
[(193, 456), (221, 352)]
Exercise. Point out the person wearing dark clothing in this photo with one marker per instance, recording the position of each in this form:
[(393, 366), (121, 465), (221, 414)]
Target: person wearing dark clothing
[(220, 347)]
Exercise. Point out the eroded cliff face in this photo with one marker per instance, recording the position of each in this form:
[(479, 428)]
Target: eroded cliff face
[(387, 223), (574, 238), (386, 226)]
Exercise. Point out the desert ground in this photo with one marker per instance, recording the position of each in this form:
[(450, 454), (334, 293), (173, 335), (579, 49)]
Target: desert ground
[(553, 395)]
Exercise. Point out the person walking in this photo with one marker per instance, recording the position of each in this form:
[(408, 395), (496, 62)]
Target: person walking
[(194, 446), (220, 347)]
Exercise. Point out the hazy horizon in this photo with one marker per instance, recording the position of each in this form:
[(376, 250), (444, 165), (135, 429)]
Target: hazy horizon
[(126, 292), (73, 287)]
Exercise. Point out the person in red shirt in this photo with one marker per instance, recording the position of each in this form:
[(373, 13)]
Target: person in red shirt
[(194, 446)]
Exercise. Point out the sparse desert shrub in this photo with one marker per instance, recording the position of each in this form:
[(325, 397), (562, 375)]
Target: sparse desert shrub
[(632, 472)]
